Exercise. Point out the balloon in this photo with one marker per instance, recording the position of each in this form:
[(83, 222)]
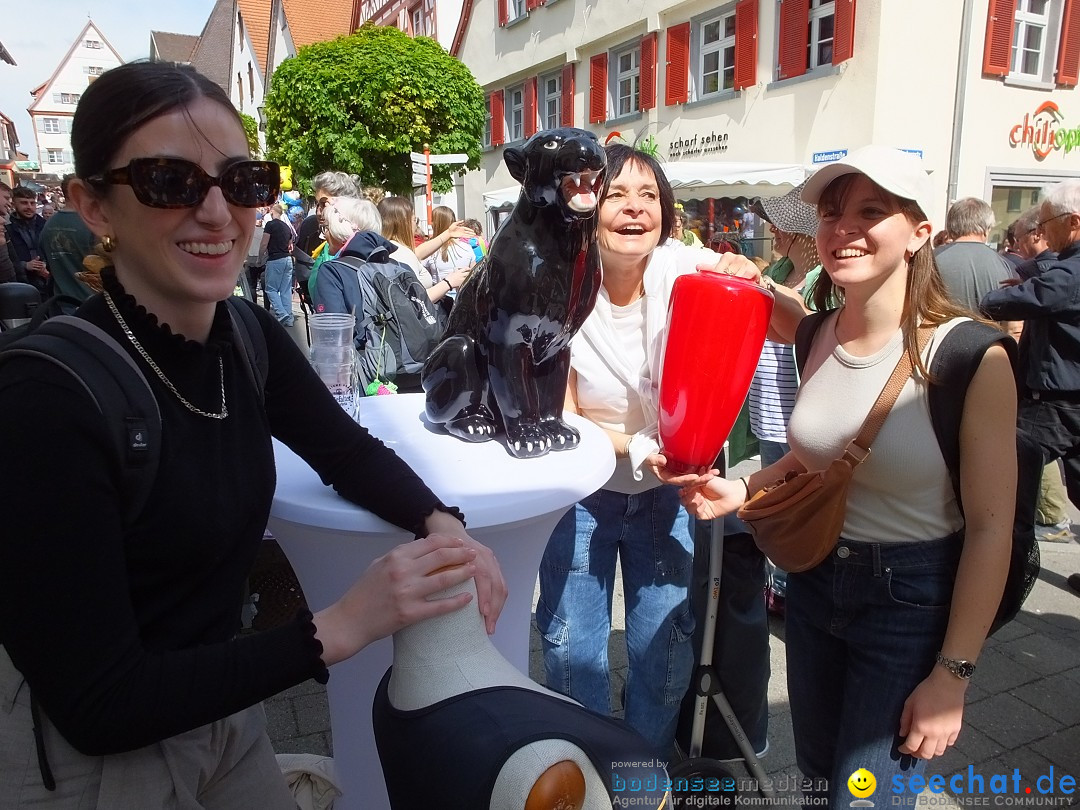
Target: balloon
[(716, 329), (286, 177)]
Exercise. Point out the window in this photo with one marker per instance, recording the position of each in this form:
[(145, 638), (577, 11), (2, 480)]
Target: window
[(627, 81), (515, 112), (93, 70), (814, 34), (240, 90), (50, 126), (487, 121), (1029, 37), (551, 101), (517, 9), (1032, 41), (716, 55), (54, 156), (822, 24), (251, 82), (66, 98), (94, 44), (240, 28)]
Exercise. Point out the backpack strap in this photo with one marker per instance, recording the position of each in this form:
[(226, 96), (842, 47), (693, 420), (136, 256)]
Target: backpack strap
[(250, 341), (805, 334), (114, 382), (955, 362)]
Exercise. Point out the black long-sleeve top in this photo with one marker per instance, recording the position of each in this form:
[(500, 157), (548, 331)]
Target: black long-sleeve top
[(127, 636)]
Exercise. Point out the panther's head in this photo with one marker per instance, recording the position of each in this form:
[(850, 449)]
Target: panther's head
[(561, 167)]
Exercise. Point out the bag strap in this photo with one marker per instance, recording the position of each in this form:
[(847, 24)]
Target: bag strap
[(117, 387), (805, 334), (859, 448), (250, 341)]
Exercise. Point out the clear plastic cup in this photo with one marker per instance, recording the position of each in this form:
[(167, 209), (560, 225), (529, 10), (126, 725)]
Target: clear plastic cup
[(332, 354), (331, 329), (341, 380)]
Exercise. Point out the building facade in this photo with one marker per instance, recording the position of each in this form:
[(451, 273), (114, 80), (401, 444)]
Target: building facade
[(53, 106), (982, 89)]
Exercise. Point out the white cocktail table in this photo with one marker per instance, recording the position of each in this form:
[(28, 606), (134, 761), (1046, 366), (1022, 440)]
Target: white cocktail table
[(511, 505)]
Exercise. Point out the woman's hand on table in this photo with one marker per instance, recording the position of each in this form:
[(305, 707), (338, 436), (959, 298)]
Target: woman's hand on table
[(491, 588), (393, 593)]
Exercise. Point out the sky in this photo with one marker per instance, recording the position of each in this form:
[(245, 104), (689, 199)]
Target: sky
[(39, 47)]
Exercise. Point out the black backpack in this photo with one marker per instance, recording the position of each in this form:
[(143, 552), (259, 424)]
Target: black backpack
[(955, 362), (399, 324), (116, 384)]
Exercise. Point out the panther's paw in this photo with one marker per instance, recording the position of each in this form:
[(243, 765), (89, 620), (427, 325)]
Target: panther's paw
[(473, 428), (527, 441), (562, 436)]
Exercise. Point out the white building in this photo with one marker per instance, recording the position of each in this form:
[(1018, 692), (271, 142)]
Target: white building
[(54, 102), (978, 87)]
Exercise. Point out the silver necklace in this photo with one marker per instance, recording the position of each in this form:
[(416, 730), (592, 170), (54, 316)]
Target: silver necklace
[(161, 374)]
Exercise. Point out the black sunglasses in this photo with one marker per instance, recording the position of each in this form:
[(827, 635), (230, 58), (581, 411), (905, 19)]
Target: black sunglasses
[(177, 183)]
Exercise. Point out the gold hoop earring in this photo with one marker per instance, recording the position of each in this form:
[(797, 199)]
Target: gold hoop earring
[(107, 243)]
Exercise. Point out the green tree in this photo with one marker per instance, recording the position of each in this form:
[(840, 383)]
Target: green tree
[(361, 103), (251, 130)]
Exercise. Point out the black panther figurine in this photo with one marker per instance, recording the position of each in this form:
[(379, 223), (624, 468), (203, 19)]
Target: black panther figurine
[(504, 362)]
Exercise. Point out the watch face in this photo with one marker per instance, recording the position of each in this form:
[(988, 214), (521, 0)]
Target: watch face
[(964, 669)]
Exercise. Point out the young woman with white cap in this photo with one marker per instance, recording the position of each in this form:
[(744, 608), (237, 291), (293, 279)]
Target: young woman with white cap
[(883, 634)]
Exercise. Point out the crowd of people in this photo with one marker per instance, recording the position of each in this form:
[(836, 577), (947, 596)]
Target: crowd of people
[(127, 680)]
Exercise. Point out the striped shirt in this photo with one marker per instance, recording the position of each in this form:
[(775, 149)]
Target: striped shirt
[(772, 392)]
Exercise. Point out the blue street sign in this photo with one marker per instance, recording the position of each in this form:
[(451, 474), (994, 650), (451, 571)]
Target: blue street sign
[(828, 157)]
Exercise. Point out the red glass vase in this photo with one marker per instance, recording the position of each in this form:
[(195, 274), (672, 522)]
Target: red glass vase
[(716, 329)]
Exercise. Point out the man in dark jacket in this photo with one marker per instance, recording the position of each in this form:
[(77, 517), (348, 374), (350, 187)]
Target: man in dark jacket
[(1049, 305), (24, 240)]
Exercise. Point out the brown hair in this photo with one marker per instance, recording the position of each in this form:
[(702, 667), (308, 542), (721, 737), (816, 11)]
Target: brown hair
[(441, 219), (926, 299), (397, 219)]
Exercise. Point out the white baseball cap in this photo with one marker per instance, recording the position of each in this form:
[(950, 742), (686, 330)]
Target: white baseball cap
[(901, 173)]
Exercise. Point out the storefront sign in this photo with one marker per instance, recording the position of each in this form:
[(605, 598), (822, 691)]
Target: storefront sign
[(712, 144), (828, 157), (1044, 132)]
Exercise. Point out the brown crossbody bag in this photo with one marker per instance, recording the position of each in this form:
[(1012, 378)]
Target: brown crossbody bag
[(796, 521)]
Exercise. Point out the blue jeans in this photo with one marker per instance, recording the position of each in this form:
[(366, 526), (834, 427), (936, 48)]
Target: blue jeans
[(863, 629), (649, 533), (277, 285), (772, 452)]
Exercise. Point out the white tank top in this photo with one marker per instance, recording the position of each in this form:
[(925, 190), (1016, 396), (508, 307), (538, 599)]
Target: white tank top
[(902, 491)]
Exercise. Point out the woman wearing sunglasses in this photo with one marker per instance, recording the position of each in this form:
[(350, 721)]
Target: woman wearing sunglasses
[(121, 671)]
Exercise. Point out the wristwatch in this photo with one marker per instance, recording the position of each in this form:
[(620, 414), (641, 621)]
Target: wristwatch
[(958, 667)]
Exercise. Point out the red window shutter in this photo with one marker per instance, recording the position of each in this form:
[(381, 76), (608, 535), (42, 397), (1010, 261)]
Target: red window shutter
[(997, 52), (504, 12), (746, 22), (648, 71), (498, 119), (794, 37), (530, 107), (531, 4), (598, 89), (1068, 67), (567, 95), (843, 31), (677, 73)]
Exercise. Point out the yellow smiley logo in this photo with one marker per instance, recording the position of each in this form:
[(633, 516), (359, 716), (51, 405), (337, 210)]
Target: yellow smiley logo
[(862, 783)]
